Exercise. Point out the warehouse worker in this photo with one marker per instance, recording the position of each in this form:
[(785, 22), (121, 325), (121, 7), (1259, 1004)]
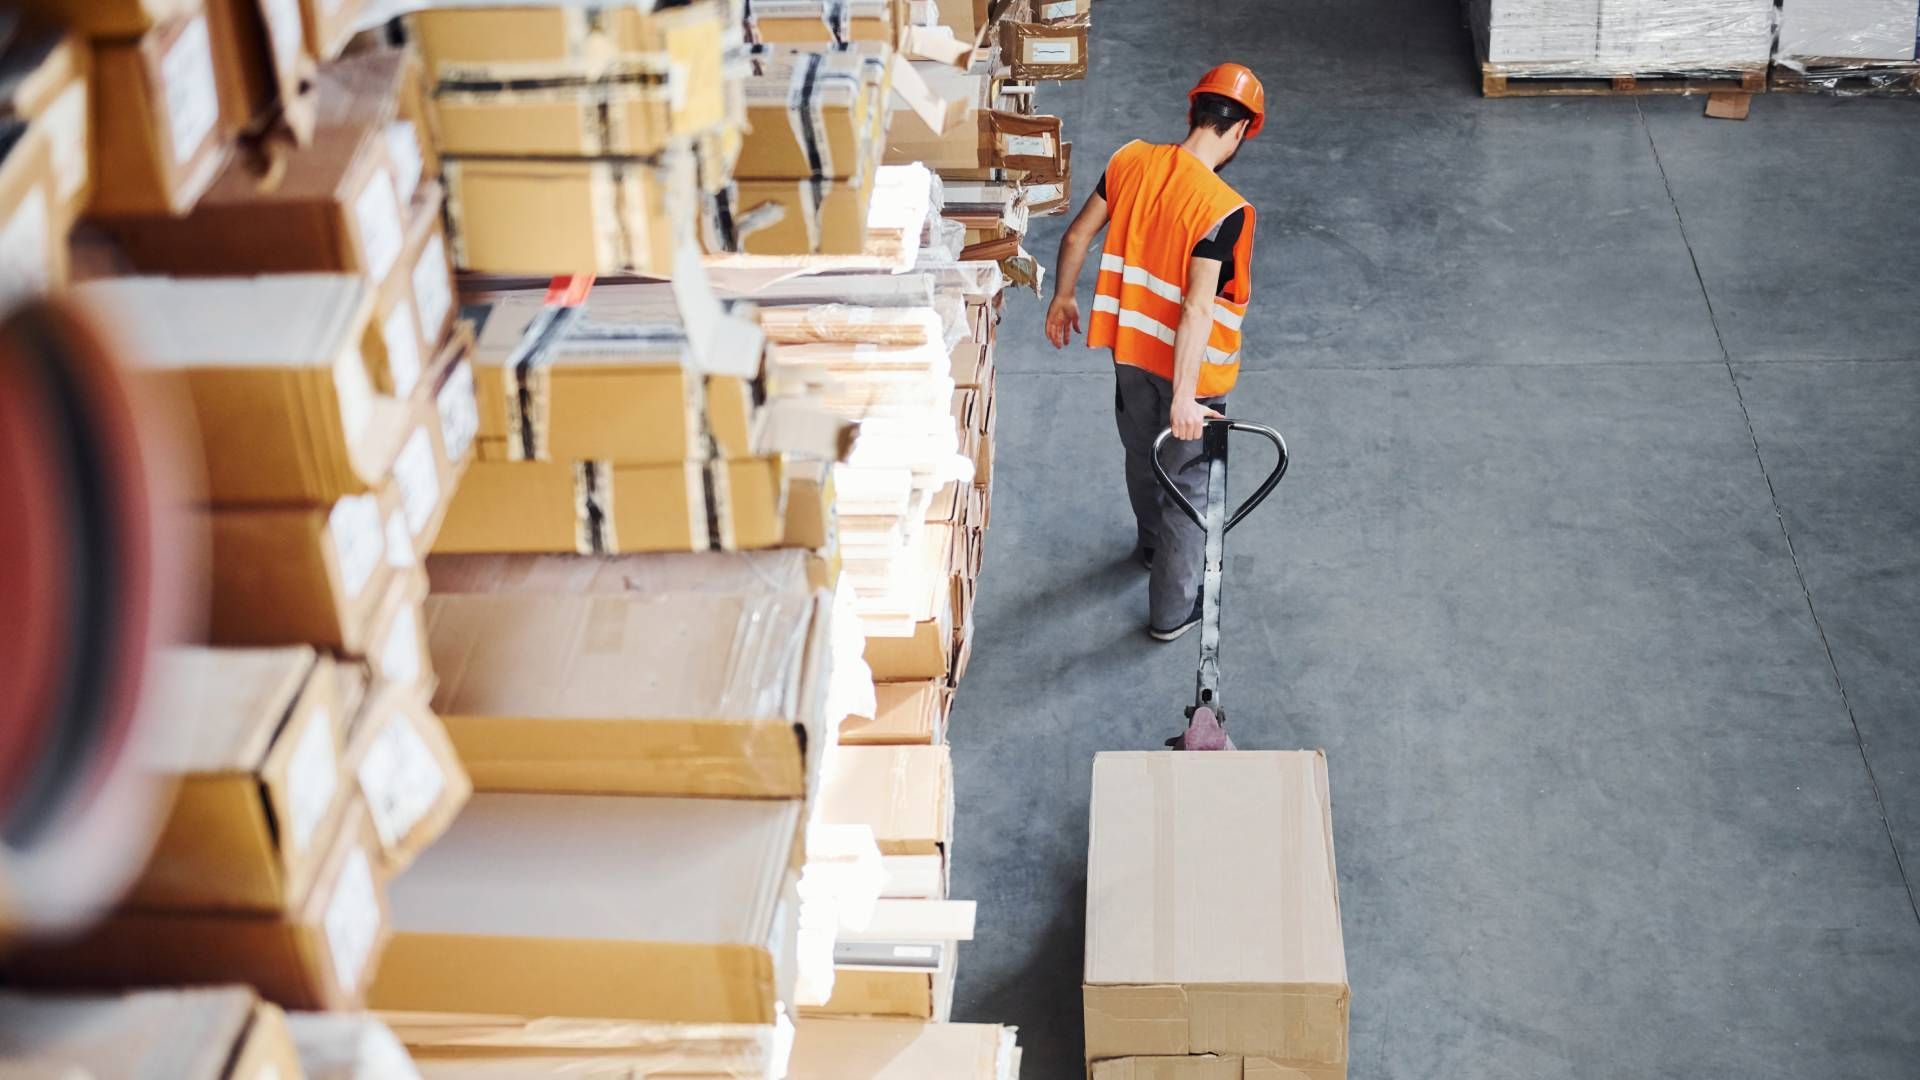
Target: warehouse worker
[(1173, 286)]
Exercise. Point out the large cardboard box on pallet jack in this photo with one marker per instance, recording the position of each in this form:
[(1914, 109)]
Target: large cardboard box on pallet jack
[(1214, 949)]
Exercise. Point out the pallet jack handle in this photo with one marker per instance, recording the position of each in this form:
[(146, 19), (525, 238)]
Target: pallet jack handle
[(1207, 716), (1214, 443)]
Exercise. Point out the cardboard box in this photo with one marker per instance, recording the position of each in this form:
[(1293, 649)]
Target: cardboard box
[(406, 769), (1209, 1067), (803, 217), (257, 764), (332, 206), (905, 793), (33, 240), (274, 369), (928, 651), (262, 64), (465, 1047), (223, 1034), (157, 136), (316, 956), (906, 713), (842, 1049), (905, 995), (594, 508), (1204, 942), (330, 23), (587, 906), (508, 86), (826, 22), (1055, 11), (349, 1046), (111, 18), (396, 652), (43, 82), (551, 217), (781, 570), (286, 574), (425, 475), (638, 694), (1056, 50), (812, 114)]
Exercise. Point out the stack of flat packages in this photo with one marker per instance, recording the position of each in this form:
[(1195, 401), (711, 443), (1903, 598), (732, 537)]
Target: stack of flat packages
[(306, 319), (572, 136), (1612, 38), (1840, 36), (1213, 952)]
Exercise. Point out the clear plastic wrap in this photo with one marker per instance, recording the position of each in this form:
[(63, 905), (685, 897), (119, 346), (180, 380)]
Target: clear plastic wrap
[(1610, 38), (1823, 42)]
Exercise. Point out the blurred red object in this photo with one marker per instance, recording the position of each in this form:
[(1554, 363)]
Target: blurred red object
[(93, 575)]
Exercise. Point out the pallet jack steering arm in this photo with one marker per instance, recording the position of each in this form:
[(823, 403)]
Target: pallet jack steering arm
[(1217, 522)]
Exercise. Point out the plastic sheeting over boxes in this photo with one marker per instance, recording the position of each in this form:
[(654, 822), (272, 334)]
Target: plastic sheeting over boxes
[(1599, 38)]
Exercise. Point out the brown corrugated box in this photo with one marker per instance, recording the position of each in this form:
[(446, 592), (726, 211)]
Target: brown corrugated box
[(285, 574), (908, 995), (213, 1034), (505, 88), (827, 22), (261, 64), (43, 81), (317, 956), (332, 206), (33, 235), (274, 369), (1056, 50), (597, 508), (111, 18), (904, 793), (396, 652), (257, 762), (813, 114), (803, 217), (464, 1047), (928, 652), (665, 693), (1053, 11), (1210, 1067), (588, 906), (157, 135), (1204, 941), (782, 570), (907, 713), (330, 23), (554, 216), (407, 771), (846, 1049)]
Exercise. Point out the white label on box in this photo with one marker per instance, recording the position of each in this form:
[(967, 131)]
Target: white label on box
[(1060, 9), (352, 920), (66, 123), (312, 775), (400, 334), (1052, 50), (1044, 193), (377, 211), (356, 393), (459, 411), (403, 147), (1028, 146), (399, 541), (913, 952), (193, 104), (24, 240), (419, 483), (432, 292), (357, 541), (401, 779), (400, 653), (285, 31)]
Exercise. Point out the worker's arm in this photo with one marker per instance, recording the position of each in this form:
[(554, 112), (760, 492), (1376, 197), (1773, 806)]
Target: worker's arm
[(1190, 348), (1063, 315)]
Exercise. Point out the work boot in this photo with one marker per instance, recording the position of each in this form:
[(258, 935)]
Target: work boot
[(1175, 632)]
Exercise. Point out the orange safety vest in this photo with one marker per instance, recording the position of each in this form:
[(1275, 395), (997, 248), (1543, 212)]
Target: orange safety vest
[(1161, 201)]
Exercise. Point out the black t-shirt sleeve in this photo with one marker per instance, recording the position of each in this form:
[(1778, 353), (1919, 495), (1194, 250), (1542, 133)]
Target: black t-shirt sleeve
[(1100, 189), (1219, 243)]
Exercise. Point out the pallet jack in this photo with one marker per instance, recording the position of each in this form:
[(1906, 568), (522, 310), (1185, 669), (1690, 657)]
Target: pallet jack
[(1207, 717)]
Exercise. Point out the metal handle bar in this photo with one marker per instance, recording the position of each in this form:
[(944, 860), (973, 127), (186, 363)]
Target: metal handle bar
[(1259, 496)]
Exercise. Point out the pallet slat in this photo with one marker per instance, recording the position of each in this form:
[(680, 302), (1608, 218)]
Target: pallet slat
[(1497, 81)]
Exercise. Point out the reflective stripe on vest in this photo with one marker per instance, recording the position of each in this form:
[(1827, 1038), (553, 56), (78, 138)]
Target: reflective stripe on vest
[(1162, 202)]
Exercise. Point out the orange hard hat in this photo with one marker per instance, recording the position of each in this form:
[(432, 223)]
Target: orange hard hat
[(1236, 83)]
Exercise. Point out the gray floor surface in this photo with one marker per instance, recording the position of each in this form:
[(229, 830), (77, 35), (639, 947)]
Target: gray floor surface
[(1597, 574)]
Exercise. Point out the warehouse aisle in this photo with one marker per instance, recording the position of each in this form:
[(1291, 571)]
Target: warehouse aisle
[(1554, 374)]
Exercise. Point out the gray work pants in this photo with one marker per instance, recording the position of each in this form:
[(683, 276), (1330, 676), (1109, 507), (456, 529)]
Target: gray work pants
[(1142, 403)]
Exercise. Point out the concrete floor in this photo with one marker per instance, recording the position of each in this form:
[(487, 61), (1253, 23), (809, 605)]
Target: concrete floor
[(1597, 573)]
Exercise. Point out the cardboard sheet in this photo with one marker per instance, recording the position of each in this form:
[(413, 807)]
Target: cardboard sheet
[(223, 1034), (848, 1049)]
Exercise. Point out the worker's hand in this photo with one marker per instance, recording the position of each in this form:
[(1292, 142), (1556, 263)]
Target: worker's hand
[(1190, 418), (1063, 319)]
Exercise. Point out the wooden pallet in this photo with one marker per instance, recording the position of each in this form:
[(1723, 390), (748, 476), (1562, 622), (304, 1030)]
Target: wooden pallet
[(1500, 81), (1890, 80)]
